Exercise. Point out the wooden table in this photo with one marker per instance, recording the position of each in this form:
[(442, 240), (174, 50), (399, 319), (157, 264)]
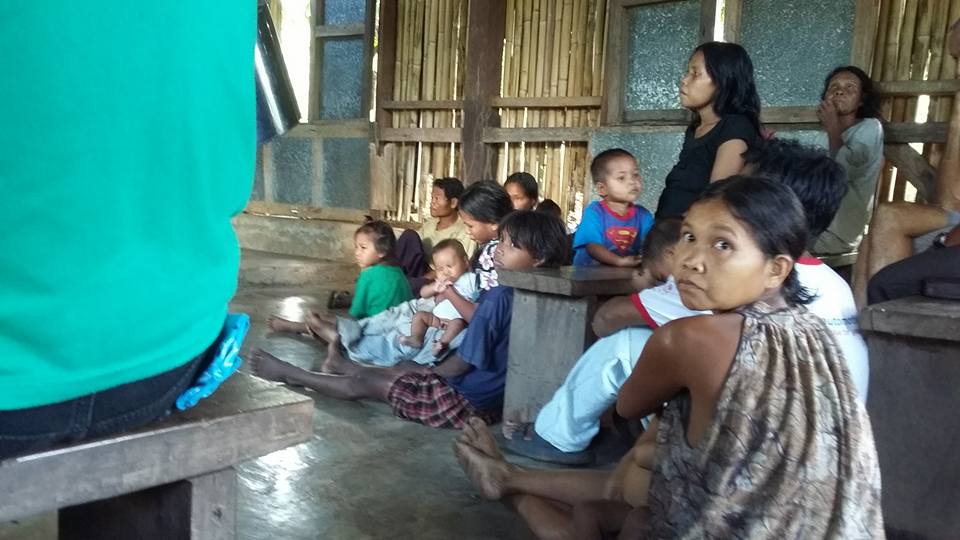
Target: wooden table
[(173, 480), (551, 327), (913, 402)]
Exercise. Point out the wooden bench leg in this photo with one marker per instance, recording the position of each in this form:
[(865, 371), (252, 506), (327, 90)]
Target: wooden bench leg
[(200, 508)]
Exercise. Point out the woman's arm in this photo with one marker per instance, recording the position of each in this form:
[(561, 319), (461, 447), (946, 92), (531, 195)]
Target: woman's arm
[(729, 160), (453, 366), (610, 258), (693, 353)]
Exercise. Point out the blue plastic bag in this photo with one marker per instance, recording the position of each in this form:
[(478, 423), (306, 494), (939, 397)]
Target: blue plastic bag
[(224, 364)]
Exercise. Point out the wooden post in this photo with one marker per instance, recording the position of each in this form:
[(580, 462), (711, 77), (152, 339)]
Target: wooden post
[(485, 33), (864, 33)]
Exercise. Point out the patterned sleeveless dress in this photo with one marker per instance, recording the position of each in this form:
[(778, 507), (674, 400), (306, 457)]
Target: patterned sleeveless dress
[(789, 453)]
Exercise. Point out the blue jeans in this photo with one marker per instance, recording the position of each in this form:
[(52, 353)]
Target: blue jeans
[(121, 408)]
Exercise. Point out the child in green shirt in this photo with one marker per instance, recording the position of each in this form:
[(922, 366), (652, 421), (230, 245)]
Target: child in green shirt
[(381, 284)]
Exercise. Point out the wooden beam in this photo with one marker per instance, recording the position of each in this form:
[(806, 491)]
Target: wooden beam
[(423, 104), (346, 215), (789, 115), (614, 64), (343, 30), (357, 128), (591, 102), (912, 166), (865, 20), (493, 135), (909, 132), (733, 11), (671, 116), (914, 88), (486, 20), (635, 3), (425, 135), (386, 59), (708, 19)]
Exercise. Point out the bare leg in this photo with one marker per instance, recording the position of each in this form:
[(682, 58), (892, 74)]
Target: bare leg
[(279, 324), (595, 519), (418, 328), (321, 327), (361, 383), (892, 230), (451, 328)]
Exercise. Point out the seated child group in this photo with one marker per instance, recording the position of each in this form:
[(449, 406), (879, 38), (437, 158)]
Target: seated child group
[(738, 357)]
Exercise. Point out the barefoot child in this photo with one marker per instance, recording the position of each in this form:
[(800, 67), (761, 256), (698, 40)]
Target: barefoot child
[(470, 381), (450, 265), (613, 228)]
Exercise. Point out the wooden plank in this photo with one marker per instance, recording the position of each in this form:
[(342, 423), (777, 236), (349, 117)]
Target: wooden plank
[(708, 19), (347, 215), (909, 132), (615, 64), (247, 417), (915, 316), (865, 20), (423, 104), (531, 135), (386, 60), (341, 30), (635, 3), (486, 21), (548, 102), (571, 280), (359, 128), (424, 135), (911, 165), (672, 116), (914, 88), (789, 115), (733, 12)]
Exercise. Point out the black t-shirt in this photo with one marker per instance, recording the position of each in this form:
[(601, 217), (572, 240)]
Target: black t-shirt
[(692, 172)]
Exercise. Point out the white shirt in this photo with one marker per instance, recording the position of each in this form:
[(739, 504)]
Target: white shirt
[(466, 286), (833, 303)]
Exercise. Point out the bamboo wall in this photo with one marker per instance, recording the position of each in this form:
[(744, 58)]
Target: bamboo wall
[(430, 49), (553, 48), (910, 45)]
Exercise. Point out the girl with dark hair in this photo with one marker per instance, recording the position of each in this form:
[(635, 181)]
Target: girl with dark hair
[(719, 89), (849, 112), (381, 284), (762, 434)]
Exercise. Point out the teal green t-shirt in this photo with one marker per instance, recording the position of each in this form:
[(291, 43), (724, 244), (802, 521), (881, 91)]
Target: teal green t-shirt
[(379, 287), (128, 142)]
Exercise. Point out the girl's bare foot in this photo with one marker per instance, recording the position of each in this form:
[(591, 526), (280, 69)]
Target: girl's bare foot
[(320, 328), (487, 475), (268, 366), (279, 324), (334, 363)]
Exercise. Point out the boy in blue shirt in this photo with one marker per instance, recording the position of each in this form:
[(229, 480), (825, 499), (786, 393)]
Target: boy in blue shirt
[(612, 229), (471, 380)]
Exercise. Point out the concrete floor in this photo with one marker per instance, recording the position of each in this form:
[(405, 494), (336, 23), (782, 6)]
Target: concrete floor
[(364, 475)]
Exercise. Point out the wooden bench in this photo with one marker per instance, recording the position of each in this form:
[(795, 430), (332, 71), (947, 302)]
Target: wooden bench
[(171, 480), (551, 327), (913, 403)]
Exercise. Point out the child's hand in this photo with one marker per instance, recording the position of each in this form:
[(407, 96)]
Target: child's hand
[(629, 261), (441, 284)]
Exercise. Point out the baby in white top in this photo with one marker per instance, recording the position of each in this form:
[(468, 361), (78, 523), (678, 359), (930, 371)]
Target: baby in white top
[(450, 265)]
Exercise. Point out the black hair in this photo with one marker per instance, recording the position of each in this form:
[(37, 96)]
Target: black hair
[(598, 167), (449, 243), (486, 201), (384, 241), (527, 183), (541, 235), (773, 216), (664, 234), (731, 70), (819, 182), (547, 206), (870, 106), (452, 187)]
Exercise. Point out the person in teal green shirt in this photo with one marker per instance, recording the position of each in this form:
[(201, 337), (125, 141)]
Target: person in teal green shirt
[(382, 283), (129, 142)]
